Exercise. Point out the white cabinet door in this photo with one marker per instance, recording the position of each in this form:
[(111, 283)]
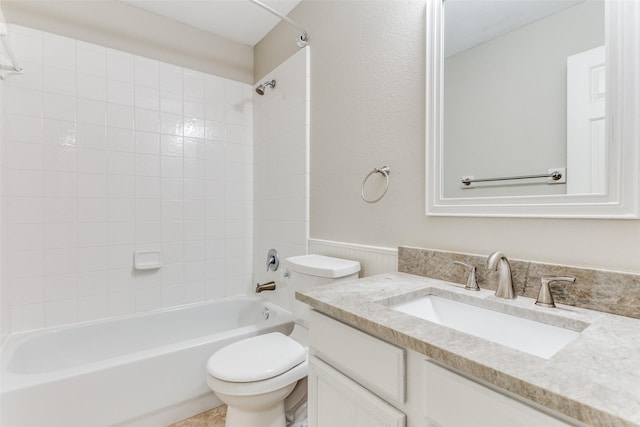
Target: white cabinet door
[(337, 401), (456, 401)]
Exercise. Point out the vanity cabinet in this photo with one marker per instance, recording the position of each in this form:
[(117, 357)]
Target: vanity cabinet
[(455, 400), (357, 380)]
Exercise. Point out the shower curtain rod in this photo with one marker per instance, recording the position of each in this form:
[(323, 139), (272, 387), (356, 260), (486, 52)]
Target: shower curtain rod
[(302, 38)]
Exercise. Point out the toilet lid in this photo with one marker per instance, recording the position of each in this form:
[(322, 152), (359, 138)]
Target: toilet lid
[(256, 359)]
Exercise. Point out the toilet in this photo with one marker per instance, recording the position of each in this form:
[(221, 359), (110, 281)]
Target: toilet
[(253, 377)]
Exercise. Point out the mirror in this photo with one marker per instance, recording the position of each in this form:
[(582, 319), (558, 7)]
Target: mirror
[(517, 89)]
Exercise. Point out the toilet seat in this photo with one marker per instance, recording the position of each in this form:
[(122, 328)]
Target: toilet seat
[(289, 377), (256, 359)]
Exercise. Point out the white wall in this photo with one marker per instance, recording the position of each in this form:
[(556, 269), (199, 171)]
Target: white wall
[(367, 110), (106, 153), (281, 168)]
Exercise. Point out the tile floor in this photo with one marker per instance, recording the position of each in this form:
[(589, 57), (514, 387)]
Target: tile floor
[(213, 418)]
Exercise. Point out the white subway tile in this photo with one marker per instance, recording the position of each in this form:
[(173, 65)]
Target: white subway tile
[(171, 188), (171, 103), (93, 307), (147, 120), (59, 52), (61, 312), (24, 237), (120, 116), (92, 112), (24, 210), (194, 83), (91, 59), (122, 210), (92, 234), (91, 136), (25, 102), (147, 210), (172, 274), (60, 210), (120, 66), (92, 259), (121, 93), (214, 88), (59, 158), (172, 252), (120, 139), (122, 233), (23, 129), (60, 81), (121, 163), (92, 87), (92, 185), (31, 77), (171, 77), (29, 290), (120, 255), (148, 299), (59, 107), (147, 142), (61, 287), (92, 283), (147, 165), (23, 156), (60, 261), (147, 98), (27, 47), (121, 186), (27, 317), (148, 187), (171, 167), (147, 72), (59, 132), (172, 295), (171, 145), (24, 183), (171, 124), (91, 161), (121, 303), (172, 231), (148, 232)]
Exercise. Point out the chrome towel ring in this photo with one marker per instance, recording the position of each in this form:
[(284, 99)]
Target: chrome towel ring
[(385, 171)]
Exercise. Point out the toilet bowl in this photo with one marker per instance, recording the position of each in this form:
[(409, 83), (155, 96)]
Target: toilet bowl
[(253, 377)]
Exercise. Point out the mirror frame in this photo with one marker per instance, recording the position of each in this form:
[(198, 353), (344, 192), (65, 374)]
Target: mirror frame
[(622, 40)]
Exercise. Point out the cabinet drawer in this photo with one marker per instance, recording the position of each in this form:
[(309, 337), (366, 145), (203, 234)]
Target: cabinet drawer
[(376, 364), (454, 401)]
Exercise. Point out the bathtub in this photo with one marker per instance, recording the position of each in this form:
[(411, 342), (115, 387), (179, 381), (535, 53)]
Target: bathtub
[(140, 370)]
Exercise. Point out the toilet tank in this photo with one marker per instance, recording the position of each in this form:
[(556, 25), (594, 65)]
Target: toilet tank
[(308, 271)]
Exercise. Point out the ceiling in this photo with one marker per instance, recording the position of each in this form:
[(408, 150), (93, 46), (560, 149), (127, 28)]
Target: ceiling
[(469, 23), (238, 20)]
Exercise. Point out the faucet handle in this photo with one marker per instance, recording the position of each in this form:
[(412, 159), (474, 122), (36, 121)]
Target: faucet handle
[(472, 280), (545, 297)]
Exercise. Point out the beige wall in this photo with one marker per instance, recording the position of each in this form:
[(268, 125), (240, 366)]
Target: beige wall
[(123, 27), (367, 110)]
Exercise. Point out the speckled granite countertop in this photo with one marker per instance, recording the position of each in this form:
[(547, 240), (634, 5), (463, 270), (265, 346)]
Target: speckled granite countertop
[(594, 379)]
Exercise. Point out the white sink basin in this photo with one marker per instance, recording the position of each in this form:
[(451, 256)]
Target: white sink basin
[(529, 336)]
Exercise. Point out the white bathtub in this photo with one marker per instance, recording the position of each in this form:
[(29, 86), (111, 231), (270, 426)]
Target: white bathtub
[(140, 370)]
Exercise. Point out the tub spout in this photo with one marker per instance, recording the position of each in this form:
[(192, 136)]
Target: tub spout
[(269, 286)]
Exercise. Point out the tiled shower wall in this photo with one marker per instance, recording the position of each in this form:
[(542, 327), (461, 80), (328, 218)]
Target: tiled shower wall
[(106, 153)]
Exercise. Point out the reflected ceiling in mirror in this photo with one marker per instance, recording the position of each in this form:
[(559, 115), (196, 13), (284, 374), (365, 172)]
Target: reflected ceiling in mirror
[(518, 88)]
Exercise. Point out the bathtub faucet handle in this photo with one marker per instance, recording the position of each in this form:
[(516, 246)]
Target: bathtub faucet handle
[(273, 260)]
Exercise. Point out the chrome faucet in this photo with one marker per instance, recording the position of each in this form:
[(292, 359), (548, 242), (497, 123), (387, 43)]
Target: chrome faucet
[(498, 261), (545, 297)]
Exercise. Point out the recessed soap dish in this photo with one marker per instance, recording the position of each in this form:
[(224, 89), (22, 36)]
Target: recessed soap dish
[(147, 260)]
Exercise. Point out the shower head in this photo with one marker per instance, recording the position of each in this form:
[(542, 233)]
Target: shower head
[(260, 89)]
